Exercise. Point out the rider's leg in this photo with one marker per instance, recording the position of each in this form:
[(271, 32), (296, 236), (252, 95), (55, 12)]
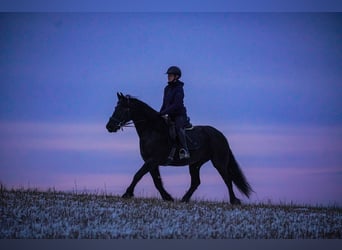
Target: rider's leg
[(179, 123)]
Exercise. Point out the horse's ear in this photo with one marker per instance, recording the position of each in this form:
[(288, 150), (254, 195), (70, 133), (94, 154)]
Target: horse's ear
[(120, 95)]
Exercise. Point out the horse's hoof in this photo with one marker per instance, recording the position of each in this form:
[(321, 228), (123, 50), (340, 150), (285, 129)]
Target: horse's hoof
[(185, 200), (169, 198), (127, 195), (236, 201)]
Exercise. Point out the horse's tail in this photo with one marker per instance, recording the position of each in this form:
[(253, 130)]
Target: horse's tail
[(238, 177), (224, 153)]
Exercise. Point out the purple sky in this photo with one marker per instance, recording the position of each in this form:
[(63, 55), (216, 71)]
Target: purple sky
[(272, 83)]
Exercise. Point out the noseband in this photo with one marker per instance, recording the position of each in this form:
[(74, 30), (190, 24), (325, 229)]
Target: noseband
[(120, 123)]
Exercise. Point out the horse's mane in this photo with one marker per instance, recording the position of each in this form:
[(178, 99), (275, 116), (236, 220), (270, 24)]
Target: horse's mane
[(147, 113), (144, 105)]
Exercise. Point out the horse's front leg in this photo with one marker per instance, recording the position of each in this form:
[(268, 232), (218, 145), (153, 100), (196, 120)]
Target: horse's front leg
[(148, 166), (159, 184)]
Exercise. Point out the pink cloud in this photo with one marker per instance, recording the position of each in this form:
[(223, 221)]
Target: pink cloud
[(245, 139), (277, 185), (271, 140), (68, 137)]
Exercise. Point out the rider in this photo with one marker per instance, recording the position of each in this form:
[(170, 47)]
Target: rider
[(173, 106)]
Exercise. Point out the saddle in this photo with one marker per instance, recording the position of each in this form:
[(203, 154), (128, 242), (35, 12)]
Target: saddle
[(191, 139)]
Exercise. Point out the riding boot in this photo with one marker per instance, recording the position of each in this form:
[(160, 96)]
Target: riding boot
[(183, 152), (171, 155)]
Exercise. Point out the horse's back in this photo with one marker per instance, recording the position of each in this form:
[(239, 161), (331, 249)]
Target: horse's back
[(210, 130), (209, 133)]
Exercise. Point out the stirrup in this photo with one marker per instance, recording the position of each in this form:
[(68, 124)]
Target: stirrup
[(183, 154)]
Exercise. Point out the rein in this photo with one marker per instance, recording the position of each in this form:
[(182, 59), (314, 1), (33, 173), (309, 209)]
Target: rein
[(129, 124)]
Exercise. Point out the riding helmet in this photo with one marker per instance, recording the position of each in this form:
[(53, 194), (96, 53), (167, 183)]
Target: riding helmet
[(174, 70)]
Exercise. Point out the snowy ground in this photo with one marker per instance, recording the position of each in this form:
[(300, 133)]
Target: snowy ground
[(34, 214)]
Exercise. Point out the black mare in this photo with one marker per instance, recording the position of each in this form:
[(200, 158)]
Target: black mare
[(155, 147)]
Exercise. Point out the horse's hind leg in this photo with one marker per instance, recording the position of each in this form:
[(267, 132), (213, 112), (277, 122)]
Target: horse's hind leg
[(222, 167), (159, 184), (195, 180)]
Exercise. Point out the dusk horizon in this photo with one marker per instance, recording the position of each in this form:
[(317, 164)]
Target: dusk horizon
[(270, 82)]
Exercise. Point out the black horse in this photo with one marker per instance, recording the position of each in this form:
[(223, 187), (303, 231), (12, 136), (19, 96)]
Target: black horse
[(155, 147)]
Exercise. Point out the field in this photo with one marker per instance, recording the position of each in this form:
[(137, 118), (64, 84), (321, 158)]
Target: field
[(51, 214)]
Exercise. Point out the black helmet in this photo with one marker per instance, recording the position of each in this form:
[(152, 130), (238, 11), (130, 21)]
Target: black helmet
[(174, 70)]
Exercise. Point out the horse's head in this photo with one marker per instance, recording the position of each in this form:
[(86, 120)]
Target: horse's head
[(121, 115)]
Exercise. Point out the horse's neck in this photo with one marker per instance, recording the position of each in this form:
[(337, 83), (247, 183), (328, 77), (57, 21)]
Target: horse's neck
[(146, 119)]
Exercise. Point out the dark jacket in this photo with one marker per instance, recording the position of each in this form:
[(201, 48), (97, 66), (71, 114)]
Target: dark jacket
[(173, 101)]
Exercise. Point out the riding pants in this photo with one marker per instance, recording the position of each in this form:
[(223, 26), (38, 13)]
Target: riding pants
[(180, 122)]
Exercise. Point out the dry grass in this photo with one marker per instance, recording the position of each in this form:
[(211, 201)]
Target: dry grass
[(35, 214)]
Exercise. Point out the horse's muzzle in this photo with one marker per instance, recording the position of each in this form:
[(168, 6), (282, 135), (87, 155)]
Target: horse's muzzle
[(112, 128)]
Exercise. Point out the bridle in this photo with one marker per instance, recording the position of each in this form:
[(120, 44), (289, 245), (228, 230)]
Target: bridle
[(126, 109), (121, 123)]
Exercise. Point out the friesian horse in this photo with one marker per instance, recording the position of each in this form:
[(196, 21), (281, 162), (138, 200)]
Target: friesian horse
[(155, 147)]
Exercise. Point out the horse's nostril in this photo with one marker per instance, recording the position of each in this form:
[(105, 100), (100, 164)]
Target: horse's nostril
[(112, 128), (109, 128)]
